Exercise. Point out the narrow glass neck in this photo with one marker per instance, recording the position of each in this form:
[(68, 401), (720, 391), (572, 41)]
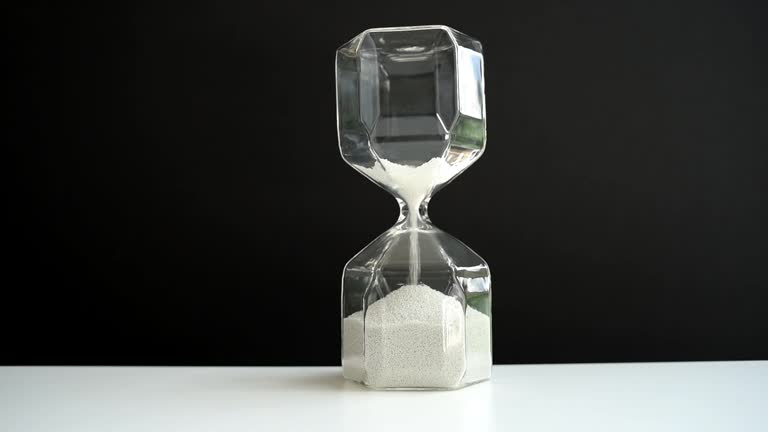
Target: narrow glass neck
[(413, 217)]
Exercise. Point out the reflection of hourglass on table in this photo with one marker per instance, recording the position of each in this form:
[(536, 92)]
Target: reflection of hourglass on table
[(416, 301)]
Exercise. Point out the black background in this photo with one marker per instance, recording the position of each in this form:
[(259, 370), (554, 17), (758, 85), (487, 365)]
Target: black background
[(176, 195)]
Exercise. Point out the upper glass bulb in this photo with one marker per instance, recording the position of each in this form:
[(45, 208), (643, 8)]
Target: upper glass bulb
[(407, 96)]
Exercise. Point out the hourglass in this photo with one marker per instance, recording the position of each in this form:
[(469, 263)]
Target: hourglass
[(416, 302)]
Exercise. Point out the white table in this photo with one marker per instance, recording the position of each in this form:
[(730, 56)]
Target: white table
[(722, 396)]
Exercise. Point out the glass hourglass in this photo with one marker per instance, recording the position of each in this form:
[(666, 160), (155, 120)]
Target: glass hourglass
[(416, 302)]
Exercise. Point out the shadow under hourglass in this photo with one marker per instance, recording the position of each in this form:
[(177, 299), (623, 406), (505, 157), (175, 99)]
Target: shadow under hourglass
[(286, 398)]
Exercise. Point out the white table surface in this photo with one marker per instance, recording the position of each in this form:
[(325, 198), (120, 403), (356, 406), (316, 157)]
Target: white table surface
[(719, 396)]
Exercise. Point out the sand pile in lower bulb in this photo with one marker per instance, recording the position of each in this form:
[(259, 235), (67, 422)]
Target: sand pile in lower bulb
[(415, 337)]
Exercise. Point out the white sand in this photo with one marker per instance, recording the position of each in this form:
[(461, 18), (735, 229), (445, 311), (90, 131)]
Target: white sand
[(417, 337)]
